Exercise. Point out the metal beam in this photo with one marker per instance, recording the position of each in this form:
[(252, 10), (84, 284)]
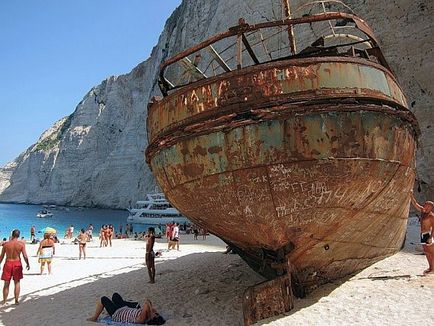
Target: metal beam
[(290, 27), (191, 68), (218, 58), (250, 50)]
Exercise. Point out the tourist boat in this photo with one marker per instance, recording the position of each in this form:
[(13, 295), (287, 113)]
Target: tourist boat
[(154, 210), (291, 140), (44, 214)]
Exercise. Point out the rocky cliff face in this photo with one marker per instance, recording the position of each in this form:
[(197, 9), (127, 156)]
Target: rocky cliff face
[(95, 157)]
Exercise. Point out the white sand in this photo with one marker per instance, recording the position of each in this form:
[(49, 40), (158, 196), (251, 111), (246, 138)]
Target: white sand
[(201, 286)]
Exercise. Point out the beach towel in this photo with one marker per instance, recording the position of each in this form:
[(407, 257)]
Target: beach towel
[(108, 321)]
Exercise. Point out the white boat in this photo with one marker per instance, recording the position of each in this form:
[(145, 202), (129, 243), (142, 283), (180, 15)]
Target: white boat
[(154, 210), (44, 214)]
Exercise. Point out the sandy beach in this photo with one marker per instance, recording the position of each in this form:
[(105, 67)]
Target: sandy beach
[(199, 285)]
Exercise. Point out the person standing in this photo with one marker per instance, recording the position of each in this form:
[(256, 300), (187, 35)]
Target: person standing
[(32, 233), (195, 231), (46, 252), (426, 228), (90, 231), (150, 254), (127, 229), (120, 229), (175, 235), (102, 234), (168, 232), (110, 232), (83, 238), (12, 267)]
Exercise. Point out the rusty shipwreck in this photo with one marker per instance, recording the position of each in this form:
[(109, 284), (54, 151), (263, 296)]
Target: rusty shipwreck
[(297, 153)]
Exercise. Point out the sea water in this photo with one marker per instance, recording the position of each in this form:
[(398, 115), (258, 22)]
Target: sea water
[(22, 217)]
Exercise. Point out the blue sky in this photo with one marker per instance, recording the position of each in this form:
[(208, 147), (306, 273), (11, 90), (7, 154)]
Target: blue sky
[(53, 51)]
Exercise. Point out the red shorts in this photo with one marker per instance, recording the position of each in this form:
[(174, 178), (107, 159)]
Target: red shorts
[(12, 269)]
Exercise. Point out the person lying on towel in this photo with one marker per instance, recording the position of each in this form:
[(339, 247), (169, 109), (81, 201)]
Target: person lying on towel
[(127, 312)]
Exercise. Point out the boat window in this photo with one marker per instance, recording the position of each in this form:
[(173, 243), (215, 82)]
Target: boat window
[(326, 28)]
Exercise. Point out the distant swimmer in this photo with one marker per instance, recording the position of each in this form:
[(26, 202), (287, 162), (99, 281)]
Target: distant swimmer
[(12, 267), (426, 228), (150, 254)]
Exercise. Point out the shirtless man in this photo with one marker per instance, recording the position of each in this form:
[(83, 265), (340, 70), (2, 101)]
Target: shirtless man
[(426, 228), (12, 267), (150, 255)]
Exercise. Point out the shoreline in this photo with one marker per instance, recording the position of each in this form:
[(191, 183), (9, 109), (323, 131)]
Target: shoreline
[(64, 206), (200, 285)]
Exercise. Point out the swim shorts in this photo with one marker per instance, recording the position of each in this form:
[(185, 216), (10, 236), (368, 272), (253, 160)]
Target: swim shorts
[(12, 269)]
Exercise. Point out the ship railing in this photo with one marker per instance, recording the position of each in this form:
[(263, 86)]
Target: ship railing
[(331, 33)]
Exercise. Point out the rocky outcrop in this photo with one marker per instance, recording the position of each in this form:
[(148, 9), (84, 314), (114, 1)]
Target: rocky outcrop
[(95, 157)]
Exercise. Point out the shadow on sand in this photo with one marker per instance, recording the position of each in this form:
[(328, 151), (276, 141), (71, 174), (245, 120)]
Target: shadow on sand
[(184, 289), (197, 289)]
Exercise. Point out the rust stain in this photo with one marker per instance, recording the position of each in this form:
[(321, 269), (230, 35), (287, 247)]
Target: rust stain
[(311, 153)]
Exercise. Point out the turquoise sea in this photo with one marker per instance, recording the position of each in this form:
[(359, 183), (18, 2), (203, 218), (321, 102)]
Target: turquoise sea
[(22, 217)]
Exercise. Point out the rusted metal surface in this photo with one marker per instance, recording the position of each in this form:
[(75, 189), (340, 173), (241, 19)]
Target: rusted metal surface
[(267, 299), (315, 154), (244, 27)]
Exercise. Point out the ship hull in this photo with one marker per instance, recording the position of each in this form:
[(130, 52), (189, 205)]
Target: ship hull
[(311, 159)]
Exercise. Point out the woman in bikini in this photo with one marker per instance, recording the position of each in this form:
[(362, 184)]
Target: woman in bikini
[(46, 251), (110, 232), (102, 236), (82, 240), (127, 312)]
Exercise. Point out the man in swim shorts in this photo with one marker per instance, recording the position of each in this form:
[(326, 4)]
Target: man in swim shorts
[(12, 267), (426, 228), (150, 254)]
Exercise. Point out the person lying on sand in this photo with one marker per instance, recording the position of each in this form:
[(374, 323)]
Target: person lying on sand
[(127, 312), (426, 227)]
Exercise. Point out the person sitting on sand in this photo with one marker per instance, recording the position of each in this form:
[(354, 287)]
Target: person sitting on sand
[(127, 312), (426, 228), (46, 252), (82, 238)]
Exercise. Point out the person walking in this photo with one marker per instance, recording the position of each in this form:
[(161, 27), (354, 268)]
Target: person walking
[(12, 268), (46, 252)]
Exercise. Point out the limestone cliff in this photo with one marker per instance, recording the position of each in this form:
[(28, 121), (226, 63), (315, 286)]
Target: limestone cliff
[(95, 157)]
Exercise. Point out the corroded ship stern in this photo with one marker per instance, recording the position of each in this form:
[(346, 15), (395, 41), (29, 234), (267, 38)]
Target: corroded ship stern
[(303, 160)]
